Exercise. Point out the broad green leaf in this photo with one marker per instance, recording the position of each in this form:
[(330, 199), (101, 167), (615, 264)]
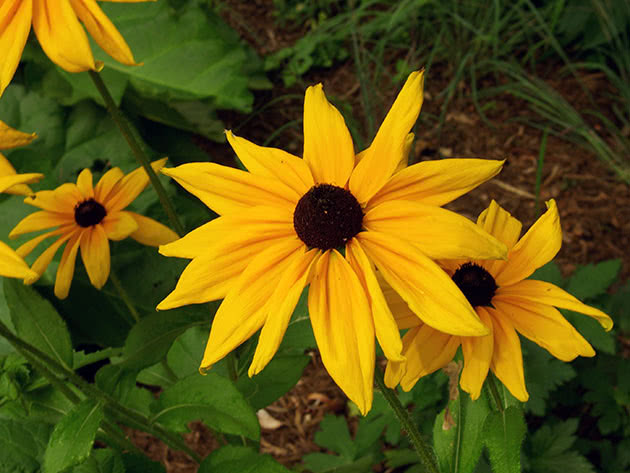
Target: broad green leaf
[(503, 434), (458, 440), (83, 359), (102, 461), (334, 435), (71, 441), (593, 279), (37, 322), (322, 463), (185, 355), (212, 399), (22, 443), (135, 463), (590, 329), (551, 450), (550, 273), (239, 459)]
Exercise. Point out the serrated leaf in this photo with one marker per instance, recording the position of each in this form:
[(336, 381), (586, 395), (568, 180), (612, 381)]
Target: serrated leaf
[(551, 450), (590, 329), (334, 435), (503, 435), (71, 441), (22, 444), (550, 272), (212, 399), (37, 322), (239, 459), (82, 359), (593, 279)]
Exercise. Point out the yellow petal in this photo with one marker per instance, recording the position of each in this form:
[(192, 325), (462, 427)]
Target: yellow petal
[(65, 270), (426, 288), (26, 248), (226, 190), (61, 200), (12, 266), (95, 255), (343, 327), (103, 30), (106, 183), (280, 307), (151, 232), (477, 357), (10, 137), (505, 228), (544, 325), (437, 182), (119, 225), (404, 316), (43, 260), (16, 184), (15, 24), (507, 358), (427, 350), (129, 187), (390, 146), (84, 183), (385, 326), (537, 247), (547, 293), (39, 221), (61, 36), (328, 148), (273, 163), (439, 233), (242, 312)]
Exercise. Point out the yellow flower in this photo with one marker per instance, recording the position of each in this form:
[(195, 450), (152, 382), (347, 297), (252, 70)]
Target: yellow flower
[(507, 303), (287, 222), (10, 181), (63, 39), (87, 217)]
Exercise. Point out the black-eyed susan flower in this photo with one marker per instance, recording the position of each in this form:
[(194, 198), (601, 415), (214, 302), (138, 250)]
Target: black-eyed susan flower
[(87, 217), (59, 31), (10, 181), (507, 303), (325, 220)]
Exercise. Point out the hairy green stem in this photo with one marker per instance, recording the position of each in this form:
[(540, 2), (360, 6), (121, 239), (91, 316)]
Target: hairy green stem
[(137, 151), (495, 392), (423, 450)]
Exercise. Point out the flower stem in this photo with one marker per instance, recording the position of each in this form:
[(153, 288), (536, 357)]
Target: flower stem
[(495, 393), (137, 151), (422, 449), (122, 292)]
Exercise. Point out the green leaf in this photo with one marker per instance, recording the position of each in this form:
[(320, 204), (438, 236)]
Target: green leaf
[(212, 399), (37, 322), (239, 459), (22, 444), (590, 329), (71, 441), (322, 463), (458, 442), (592, 280), (102, 461), (551, 450), (503, 435), (334, 435), (141, 464), (185, 355), (550, 273)]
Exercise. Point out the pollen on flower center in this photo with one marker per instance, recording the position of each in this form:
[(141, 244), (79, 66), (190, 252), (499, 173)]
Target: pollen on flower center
[(476, 283), (89, 212), (327, 217)]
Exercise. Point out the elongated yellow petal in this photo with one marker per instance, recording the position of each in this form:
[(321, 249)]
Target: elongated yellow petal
[(547, 293), (328, 148), (61, 200), (477, 357), (65, 270), (242, 312), (151, 232), (15, 24), (43, 260), (84, 183), (95, 255), (119, 225), (537, 247), (437, 182), (12, 266), (196, 243), (507, 358), (10, 181), (438, 232), (103, 31), (129, 187), (385, 326), (390, 146), (26, 248), (544, 325), (343, 327), (10, 137), (15, 184), (226, 190), (505, 228), (61, 36), (280, 307), (426, 288), (39, 221), (273, 163), (107, 183), (404, 316)]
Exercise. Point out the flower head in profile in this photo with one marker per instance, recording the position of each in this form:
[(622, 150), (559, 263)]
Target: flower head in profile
[(327, 220), (57, 24), (507, 303), (85, 216), (10, 181)]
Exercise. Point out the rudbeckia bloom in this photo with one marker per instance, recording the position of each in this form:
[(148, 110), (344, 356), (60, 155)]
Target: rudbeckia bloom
[(10, 181), (507, 303), (326, 220), (63, 39), (87, 217)]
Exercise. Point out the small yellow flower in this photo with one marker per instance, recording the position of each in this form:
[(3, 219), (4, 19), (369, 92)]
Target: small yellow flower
[(10, 181), (326, 220), (88, 217), (63, 39), (507, 303)]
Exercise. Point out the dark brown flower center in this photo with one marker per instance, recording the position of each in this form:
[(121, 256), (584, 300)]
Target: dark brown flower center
[(476, 283), (327, 217), (89, 212)]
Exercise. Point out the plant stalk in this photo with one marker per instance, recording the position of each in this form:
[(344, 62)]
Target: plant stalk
[(495, 392)]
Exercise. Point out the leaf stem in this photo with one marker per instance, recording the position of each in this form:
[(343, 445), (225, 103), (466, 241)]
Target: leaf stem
[(137, 151), (122, 292), (495, 392), (423, 450)]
